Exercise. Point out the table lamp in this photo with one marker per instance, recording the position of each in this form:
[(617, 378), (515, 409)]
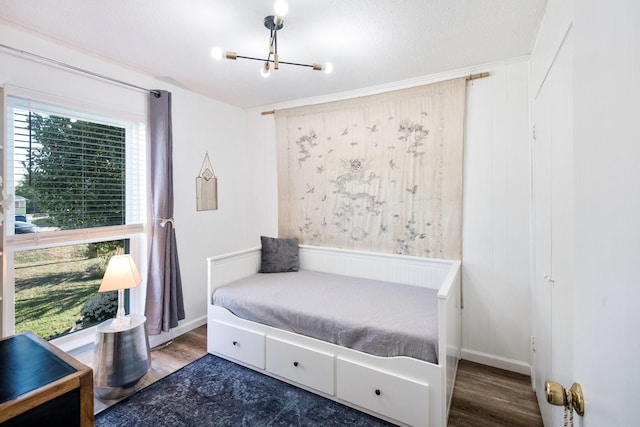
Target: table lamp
[(121, 274)]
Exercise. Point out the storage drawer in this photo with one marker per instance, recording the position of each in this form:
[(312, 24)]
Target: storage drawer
[(301, 364), (401, 399), (240, 344)]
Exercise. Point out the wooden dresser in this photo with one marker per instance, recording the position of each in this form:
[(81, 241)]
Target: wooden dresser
[(42, 385)]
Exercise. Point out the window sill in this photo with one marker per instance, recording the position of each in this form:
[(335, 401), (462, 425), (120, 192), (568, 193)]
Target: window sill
[(76, 342)]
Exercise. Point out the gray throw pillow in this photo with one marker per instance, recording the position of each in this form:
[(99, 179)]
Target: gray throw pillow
[(279, 254)]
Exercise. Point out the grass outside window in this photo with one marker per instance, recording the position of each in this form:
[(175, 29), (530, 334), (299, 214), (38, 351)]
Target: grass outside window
[(52, 286)]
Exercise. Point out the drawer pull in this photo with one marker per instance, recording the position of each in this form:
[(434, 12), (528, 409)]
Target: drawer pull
[(378, 392), (295, 364), (235, 343)]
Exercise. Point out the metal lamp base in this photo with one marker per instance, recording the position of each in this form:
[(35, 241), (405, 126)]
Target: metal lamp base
[(121, 358), (111, 393)]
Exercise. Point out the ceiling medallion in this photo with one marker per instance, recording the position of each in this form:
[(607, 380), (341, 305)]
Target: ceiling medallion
[(273, 23)]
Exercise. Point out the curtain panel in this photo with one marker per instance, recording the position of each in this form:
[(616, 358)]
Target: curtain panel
[(164, 304), (381, 173)]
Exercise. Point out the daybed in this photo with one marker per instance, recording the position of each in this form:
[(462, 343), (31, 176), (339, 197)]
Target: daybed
[(401, 389)]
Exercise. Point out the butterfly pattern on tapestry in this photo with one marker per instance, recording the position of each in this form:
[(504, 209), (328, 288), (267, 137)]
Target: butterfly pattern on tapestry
[(381, 173)]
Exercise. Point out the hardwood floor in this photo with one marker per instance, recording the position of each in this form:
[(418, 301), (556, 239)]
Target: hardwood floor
[(483, 396)]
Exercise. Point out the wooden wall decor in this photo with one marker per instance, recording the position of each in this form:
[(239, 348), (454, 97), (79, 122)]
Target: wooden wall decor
[(206, 187)]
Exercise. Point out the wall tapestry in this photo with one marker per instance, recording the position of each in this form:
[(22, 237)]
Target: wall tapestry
[(380, 173)]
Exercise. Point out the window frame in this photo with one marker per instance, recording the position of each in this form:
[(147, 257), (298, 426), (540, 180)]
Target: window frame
[(136, 233)]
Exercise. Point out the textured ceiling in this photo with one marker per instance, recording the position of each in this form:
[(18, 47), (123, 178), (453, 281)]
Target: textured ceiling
[(369, 42)]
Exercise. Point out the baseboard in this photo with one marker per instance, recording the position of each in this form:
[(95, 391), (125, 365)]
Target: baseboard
[(496, 361), (182, 328)]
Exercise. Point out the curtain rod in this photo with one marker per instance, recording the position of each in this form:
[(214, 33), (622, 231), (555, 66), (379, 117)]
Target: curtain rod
[(81, 70), (469, 78)]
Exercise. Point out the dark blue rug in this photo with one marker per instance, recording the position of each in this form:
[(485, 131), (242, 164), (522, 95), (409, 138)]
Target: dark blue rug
[(215, 392)]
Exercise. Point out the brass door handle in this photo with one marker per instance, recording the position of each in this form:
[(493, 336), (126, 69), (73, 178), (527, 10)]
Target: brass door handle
[(555, 393), (560, 396)]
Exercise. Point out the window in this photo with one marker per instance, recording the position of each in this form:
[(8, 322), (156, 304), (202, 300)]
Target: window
[(55, 288), (78, 180)]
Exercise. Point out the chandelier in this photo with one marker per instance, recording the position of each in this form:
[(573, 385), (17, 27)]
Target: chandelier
[(273, 23)]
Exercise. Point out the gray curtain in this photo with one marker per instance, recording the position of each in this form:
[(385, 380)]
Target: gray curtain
[(164, 305)]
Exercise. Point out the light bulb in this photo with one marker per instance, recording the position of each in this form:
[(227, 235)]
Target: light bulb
[(216, 52), (281, 8), (328, 67), (265, 70)]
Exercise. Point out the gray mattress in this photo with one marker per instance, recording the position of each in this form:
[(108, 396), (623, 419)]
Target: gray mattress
[(375, 317)]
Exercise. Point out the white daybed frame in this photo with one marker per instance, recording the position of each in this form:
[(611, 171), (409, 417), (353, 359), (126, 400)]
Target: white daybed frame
[(402, 390)]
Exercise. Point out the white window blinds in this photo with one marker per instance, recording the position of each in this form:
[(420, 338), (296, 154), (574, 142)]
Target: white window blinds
[(72, 170)]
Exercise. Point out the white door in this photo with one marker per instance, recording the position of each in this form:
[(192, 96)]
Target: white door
[(542, 244), (595, 247), (553, 270), (607, 210)]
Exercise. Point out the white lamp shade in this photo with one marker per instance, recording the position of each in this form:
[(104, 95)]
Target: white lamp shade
[(121, 273)]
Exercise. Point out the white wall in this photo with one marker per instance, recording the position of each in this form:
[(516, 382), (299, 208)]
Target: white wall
[(496, 319), (262, 190), (200, 124), (495, 261), (553, 29)]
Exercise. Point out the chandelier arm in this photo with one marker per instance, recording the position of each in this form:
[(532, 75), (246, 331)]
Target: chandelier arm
[(271, 38), (295, 63), (276, 60), (271, 60), (254, 58), (275, 41)]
